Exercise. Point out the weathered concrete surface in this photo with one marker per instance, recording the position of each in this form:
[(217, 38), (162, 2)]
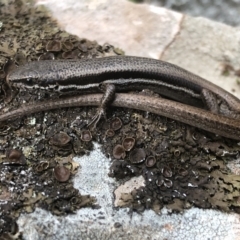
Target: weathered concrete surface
[(198, 45)]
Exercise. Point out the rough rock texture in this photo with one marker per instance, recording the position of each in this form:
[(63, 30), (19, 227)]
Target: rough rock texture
[(226, 11), (174, 38), (108, 222)]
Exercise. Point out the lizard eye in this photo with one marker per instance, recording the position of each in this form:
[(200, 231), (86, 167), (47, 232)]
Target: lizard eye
[(29, 81)]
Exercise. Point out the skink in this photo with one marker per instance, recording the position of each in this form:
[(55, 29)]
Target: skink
[(124, 73), (197, 117)]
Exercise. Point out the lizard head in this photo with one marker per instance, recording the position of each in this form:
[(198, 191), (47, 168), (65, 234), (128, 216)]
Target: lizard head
[(23, 76)]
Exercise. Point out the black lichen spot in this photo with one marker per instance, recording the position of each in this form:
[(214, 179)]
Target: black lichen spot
[(119, 152), (45, 165), (54, 46), (61, 173), (67, 46), (86, 136), (116, 123), (167, 183), (71, 54), (46, 56), (160, 182), (128, 143), (167, 172), (83, 45), (110, 133), (117, 225), (75, 200), (138, 155), (42, 166), (182, 172), (121, 168), (14, 156), (60, 139), (150, 161)]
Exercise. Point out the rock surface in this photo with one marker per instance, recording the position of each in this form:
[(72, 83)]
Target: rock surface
[(197, 44)]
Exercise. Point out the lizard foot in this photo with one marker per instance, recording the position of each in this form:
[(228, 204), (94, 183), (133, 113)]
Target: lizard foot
[(94, 121)]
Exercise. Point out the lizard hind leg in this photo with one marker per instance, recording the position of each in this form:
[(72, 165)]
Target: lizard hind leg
[(210, 100), (218, 106)]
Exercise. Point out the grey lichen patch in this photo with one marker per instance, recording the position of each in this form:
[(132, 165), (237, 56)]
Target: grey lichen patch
[(182, 166)]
